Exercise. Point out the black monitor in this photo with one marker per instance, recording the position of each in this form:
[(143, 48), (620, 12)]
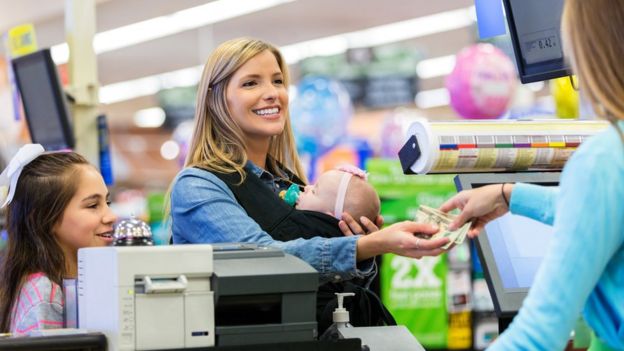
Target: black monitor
[(534, 27), (511, 247), (44, 100)]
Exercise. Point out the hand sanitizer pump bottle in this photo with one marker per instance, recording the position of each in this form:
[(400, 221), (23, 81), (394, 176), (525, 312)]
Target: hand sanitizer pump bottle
[(340, 319)]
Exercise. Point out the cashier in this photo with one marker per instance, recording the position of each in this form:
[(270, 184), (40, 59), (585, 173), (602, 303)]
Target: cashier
[(583, 270)]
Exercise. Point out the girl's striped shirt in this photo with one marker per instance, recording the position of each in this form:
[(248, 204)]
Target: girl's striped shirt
[(39, 305)]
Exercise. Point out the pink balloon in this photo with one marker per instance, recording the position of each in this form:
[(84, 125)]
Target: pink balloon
[(482, 83)]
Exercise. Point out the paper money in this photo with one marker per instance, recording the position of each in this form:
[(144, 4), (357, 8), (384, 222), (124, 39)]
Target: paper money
[(426, 214)]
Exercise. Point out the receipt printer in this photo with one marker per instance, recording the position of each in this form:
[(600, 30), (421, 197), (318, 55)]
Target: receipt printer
[(147, 297)]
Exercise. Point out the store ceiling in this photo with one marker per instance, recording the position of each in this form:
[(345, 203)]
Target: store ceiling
[(285, 24)]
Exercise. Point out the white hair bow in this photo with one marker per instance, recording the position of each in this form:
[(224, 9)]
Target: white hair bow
[(11, 174)]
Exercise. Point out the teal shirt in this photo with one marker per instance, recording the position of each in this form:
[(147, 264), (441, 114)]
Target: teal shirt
[(583, 271)]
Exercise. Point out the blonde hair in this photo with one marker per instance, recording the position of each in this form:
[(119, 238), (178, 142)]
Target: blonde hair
[(593, 39), (218, 143)]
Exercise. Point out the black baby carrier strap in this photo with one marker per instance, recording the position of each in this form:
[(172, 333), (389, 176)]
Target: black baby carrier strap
[(283, 222)]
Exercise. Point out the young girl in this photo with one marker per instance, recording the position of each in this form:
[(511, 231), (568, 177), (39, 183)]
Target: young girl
[(56, 204)]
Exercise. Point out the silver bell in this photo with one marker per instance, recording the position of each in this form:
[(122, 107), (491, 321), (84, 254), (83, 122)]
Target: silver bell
[(132, 232)]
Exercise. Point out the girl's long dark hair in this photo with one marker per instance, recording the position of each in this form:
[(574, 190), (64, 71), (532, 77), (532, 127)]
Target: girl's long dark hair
[(45, 187)]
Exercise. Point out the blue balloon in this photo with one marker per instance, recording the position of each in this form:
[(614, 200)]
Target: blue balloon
[(320, 114)]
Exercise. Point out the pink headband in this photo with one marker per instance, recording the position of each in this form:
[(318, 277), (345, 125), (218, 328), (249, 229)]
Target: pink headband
[(349, 171)]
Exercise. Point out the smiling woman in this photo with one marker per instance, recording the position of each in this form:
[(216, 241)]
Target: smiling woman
[(242, 155), (258, 102), (57, 203)]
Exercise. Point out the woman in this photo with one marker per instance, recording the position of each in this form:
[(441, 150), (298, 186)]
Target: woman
[(242, 154), (584, 267)]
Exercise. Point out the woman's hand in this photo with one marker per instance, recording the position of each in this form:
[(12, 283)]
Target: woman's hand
[(349, 226), (400, 239), (480, 205)]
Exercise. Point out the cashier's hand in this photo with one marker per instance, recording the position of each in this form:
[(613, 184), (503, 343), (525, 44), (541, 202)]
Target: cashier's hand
[(479, 205), (349, 226), (401, 239)]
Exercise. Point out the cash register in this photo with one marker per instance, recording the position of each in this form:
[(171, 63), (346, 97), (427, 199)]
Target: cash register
[(192, 296)]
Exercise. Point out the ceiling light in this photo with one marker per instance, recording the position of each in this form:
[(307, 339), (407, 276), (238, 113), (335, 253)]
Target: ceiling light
[(158, 27), (432, 98), (130, 89), (380, 35), (152, 117), (435, 67), (331, 45), (135, 88)]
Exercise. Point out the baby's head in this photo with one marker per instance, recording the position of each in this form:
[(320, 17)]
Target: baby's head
[(332, 187)]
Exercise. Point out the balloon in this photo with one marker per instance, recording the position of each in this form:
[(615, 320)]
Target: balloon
[(320, 114), (566, 98), (482, 83)]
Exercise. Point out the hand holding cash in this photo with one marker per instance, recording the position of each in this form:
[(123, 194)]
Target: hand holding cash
[(426, 214)]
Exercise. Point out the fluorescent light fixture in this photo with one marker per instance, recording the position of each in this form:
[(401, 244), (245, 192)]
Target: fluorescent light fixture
[(432, 98), (380, 35), (435, 67), (131, 89), (152, 117), (331, 45), (158, 27)]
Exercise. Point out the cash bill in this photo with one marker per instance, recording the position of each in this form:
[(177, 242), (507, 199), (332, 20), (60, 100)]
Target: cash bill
[(426, 214)]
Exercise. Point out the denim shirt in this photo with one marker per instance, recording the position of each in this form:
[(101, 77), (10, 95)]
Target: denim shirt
[(204, 210), (583, 269)]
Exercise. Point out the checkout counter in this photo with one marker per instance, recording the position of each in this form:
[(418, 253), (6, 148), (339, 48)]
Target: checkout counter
[(189, 296), (204, 297)]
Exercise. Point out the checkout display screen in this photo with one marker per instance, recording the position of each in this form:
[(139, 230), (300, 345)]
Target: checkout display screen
[(518, 245), (537, 24)]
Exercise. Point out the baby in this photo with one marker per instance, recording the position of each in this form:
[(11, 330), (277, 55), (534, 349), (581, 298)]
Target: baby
[(344, 189)]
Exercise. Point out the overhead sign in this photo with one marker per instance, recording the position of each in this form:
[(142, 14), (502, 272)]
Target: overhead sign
[(21, 40)]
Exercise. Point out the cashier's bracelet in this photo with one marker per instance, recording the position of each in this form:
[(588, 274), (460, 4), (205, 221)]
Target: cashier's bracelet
[(291, 194)]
